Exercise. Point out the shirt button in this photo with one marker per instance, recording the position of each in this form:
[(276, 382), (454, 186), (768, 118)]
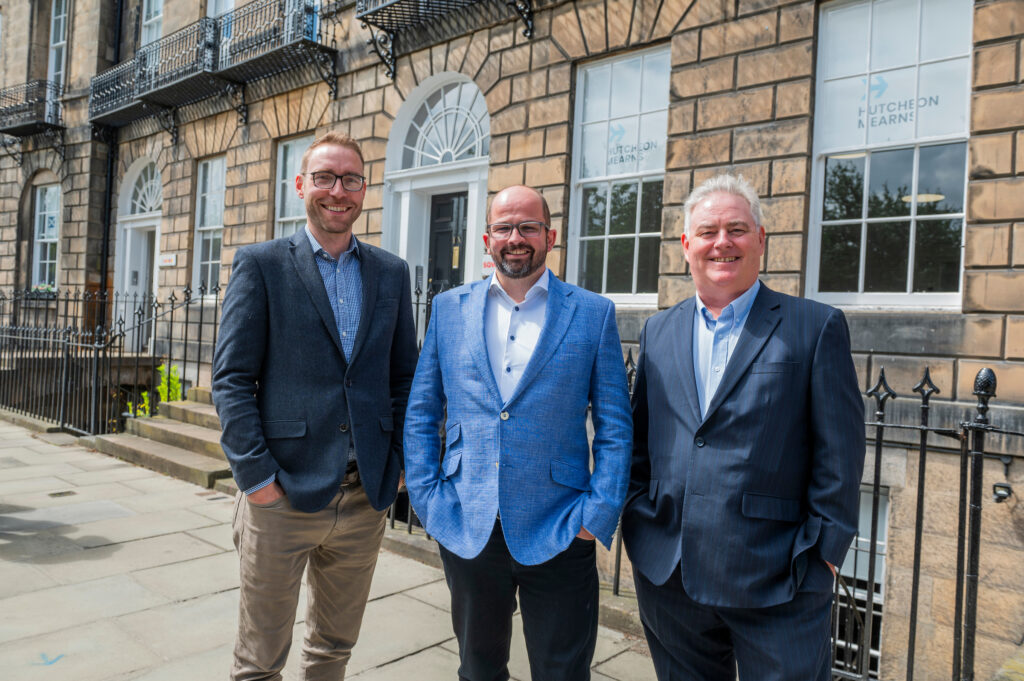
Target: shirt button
[(508, 370), (512, 338), (504, 416), (343, 427), (699, 442), (717, 369), (344, 334), (341, 300), (516, 308)]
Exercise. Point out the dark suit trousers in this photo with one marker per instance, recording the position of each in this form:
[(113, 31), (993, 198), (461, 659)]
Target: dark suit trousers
[(558, 599), (694, 642)]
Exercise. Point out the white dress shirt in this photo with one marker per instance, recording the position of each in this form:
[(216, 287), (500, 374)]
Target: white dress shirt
[(512, 329)]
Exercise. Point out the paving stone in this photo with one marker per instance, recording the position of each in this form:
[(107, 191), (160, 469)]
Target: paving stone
[(19, 578), (99, 651), (111, 474), (192, 578), (135, 526), (188, 627), (432, 664), (435, 594), (40, 499), (220, 508), (72, 605), (33, 548), (209, 665), (395, 626), (47, 483), (218, 535), (57, 516), (19, 470), (629, 665), (396, 573)]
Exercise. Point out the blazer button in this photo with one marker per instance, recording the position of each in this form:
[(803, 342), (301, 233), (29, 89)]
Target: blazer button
[(699, 442), (504, 416), (343, 427)]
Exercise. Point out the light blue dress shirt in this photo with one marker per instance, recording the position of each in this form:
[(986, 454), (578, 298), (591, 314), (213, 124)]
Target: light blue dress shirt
[(714, 341)]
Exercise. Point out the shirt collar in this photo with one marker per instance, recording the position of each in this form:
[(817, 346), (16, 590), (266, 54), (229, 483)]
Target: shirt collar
[(540, 285), (353, 246), (740, 306)]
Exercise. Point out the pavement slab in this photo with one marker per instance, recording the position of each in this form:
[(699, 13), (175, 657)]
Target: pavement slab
[(136, 526), (38, 519), (192, 578), (218, 535), (185, 627), (20, 578)]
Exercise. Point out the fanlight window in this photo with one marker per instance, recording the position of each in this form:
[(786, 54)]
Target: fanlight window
[(147, 194), (451, 125)]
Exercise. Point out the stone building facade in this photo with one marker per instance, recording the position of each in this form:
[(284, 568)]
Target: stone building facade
[(614, 110)]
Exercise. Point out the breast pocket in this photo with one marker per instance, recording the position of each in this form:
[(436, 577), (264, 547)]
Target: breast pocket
[(772, 367)]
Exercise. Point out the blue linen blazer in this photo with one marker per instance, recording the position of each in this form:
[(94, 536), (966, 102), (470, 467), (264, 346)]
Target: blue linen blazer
[(529, 457), (751, 498), (288, 401)]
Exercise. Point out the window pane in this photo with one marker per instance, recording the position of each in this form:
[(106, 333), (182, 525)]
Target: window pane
[(594, 150), (891, 98), (651, 148), (940, 179), (843, 27), (650, 207), (937, 256), (945, 28), (942, 104), (842, 117), (647, 264), (623, 212), (625, 98), (840, 258), (656, 70), (622, 149), (620, 265), (591, 264), (595, 93), (594, 206), (885, 263), (893, 33), (891, 180), (844, 188)]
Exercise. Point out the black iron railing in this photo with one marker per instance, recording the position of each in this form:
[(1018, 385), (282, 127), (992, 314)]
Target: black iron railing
[(169, 70), (260, 32), (30, 107), (112, 92)]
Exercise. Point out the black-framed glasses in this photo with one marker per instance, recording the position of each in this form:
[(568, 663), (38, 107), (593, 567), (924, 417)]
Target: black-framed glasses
[(527, 229), (350, 182)]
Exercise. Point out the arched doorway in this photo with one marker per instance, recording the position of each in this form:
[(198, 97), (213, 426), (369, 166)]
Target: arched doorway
[(138, 240)]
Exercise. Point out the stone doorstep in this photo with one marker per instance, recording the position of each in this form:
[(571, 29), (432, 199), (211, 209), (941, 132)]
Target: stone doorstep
[(616, 612), (178, 434), (164, 458), (201, 395), (187, 411)]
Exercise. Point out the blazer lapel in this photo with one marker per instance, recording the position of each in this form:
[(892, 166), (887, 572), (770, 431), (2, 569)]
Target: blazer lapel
[(369, 274), (473, 320), (681, 353), (309, 275), (764, 317), (557, 315)]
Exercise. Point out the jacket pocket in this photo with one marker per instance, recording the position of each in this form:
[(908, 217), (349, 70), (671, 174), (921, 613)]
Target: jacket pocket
[(567, 474), (772, 367), (771, 508), (387, 423), (284, 429), (450, 465)]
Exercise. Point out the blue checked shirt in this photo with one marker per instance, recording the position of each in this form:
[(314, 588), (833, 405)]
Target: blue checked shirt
[(714, 341), (344, 284)]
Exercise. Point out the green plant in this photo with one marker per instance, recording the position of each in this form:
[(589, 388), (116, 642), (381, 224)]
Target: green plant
[(168, 388)]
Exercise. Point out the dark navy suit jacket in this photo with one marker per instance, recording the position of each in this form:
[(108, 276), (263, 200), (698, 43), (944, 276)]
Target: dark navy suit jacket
[(288, 401), (753, 498)]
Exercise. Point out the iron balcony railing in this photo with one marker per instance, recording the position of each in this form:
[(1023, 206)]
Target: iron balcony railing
[(175, 70), (265, 37), (112, 97), (30, 107)]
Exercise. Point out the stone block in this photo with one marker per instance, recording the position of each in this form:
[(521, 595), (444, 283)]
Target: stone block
[(996, 199), (784, 252), (499, 149), (490, 72), (703, 78), (1014, 337), (438, 58), (511, 119), (997, 109), (502, 37), (793, 99), (677, 186), (990, 155), (672, 222), (987, 246), (698, 150), (926, 333), (995, 65), (548, 171), (796, 22), (543, 54), (790, 284), (476, 54), (530, 85), (549, 110), (772, 140), (457, 49), (739, 35), (499, 96), (642, 24), (755, 173), (515, 60), (902, 373), (505, 176), (565, 31), (734, 108), (1009, 379), (672, 260), (559, 79), (685, 47), (556, 140), (780, 63), (993, 291), (681, 117), (592, 21), (1018, 245), (789, 176), (674, 289), (529, 144), (998, 20), (783, 214)]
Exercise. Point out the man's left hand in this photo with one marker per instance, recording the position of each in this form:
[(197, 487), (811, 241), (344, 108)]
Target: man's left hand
[(832, 568), (583, 534)]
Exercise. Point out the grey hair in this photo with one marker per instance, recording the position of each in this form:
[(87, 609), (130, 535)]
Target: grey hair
[(723, 183)]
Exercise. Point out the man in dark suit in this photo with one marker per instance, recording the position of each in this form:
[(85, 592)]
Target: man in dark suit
[(748, 453), (311, 376)]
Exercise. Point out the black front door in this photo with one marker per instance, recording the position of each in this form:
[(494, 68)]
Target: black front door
[(446, 267)]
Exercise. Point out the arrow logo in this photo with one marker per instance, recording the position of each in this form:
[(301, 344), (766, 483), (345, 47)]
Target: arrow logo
[(46, 660), (617, 130), (878, 88)]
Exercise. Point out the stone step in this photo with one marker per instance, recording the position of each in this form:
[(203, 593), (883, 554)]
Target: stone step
[(178, 434), (187, 411), (226, 486), (163, 458), (201, 395)]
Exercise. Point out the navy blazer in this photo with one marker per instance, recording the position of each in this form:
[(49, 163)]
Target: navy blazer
[(288, 401), (750, 499)]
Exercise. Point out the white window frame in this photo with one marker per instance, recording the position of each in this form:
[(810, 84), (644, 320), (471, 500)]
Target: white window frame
[(151, 28), (286, 225), (58, 54), (41, 241), (574, 223), (211, 173), (946, 300)]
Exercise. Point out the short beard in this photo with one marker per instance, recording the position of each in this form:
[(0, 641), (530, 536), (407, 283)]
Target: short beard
[(523, 271)]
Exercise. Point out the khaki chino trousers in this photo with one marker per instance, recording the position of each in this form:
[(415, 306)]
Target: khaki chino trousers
[(276, 543)]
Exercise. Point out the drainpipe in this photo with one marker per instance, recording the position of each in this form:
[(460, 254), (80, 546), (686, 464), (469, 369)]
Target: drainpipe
[(108, 194)]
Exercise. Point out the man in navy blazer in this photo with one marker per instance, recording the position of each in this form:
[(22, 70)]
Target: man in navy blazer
[(311, 375), (510, 366), (747, 461)]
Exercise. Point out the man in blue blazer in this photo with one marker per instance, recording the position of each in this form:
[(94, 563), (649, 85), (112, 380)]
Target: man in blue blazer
[(311, 375), (749, 448), (510, 366)]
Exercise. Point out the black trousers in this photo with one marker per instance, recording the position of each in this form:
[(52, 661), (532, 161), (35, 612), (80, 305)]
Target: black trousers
[(558, 599)]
